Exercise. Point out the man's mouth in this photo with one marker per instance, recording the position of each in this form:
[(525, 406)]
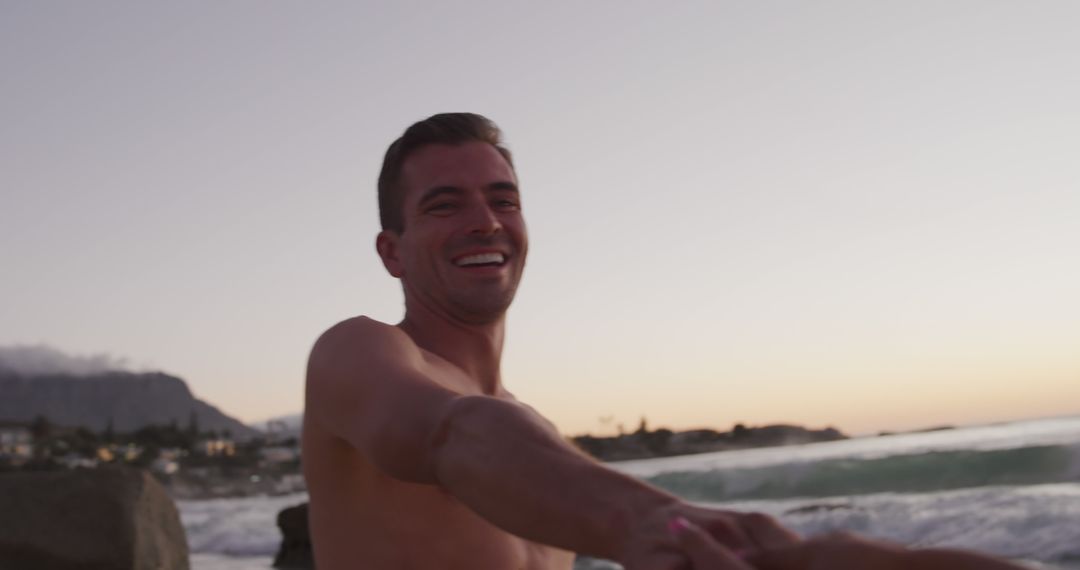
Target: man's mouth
[(487, 259)]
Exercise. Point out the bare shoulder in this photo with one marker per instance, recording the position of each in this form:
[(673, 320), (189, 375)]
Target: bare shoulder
[(354, 365), (358, 359), (359, 332), (359, 344), (368, 384)]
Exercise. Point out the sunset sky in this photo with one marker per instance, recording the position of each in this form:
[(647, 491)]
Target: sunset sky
[(848, 213)]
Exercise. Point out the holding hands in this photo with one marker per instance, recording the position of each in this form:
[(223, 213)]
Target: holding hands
[(710, 538)]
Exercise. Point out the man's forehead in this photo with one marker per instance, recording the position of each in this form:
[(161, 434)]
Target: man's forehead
[(467, 164)]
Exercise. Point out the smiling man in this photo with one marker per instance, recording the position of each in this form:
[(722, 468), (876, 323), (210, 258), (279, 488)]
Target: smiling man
[(415, 454)]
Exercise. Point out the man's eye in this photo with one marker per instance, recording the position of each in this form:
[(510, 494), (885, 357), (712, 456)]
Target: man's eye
[(441, 207), (507, 205)]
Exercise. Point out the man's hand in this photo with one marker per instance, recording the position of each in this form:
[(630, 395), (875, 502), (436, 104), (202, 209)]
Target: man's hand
[(703, 551), (657, 543)]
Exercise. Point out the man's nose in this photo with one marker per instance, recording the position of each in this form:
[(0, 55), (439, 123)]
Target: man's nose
[(483, 221)]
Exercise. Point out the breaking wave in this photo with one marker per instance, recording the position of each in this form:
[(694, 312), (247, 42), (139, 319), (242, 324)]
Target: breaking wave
[(914, 473)]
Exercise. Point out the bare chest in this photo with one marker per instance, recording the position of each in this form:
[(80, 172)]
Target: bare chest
[(392, 524)]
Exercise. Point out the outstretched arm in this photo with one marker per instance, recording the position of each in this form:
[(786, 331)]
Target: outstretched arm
[(368, 385)]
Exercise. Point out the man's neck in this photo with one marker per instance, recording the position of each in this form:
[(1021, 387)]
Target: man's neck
[(475, 348)]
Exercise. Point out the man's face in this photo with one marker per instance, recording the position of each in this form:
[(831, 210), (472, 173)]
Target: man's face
[(464, 245)]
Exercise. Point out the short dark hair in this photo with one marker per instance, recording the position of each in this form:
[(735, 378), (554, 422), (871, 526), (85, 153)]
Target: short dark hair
[(444, 128)]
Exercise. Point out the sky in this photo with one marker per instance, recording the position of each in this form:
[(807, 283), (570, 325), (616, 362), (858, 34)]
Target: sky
[(847, 213)]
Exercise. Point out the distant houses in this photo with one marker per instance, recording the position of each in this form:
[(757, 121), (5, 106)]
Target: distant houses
[(191, 463), (161, 449), (217, 447), (16, 443)]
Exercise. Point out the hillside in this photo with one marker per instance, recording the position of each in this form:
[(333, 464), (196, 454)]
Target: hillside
[(130, 400)]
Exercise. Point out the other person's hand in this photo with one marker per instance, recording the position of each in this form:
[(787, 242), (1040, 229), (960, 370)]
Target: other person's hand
[(654, 543), (703, 551)]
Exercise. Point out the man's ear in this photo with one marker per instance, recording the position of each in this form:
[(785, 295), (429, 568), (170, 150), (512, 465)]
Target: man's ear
[(386, 243)]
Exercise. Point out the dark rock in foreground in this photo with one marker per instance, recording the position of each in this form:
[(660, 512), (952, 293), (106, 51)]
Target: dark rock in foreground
[(120, 519), (295, 552)]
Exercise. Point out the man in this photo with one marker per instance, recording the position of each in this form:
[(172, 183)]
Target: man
[(415, 454)]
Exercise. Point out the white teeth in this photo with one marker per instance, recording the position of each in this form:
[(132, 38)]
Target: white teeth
[(480, 258)]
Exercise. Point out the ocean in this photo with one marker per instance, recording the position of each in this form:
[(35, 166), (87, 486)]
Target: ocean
[(1010, 489)]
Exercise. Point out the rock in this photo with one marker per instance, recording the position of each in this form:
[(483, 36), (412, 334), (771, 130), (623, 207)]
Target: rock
[(118, 519), (295, 552)]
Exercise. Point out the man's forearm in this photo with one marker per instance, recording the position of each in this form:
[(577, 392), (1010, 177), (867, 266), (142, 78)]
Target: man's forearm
[(503, 461)]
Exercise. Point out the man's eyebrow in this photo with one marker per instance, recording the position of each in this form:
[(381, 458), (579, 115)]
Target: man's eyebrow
[(437, 191), (504, 186)]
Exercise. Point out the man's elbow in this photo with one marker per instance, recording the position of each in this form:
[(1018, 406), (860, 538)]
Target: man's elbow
[(461, 433), (469, 432), (409, 451)]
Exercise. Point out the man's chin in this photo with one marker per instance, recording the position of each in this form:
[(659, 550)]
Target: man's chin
[(483, 310)]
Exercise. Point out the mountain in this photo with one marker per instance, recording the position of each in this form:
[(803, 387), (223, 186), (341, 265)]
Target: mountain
[(130, 400)]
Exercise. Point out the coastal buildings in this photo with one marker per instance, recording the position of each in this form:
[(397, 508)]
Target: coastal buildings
[(16, 442)]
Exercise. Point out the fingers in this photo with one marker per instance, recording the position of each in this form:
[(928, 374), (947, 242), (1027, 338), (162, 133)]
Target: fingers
[(766, 533), (704, 552), (728, 530), (752, 531)]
